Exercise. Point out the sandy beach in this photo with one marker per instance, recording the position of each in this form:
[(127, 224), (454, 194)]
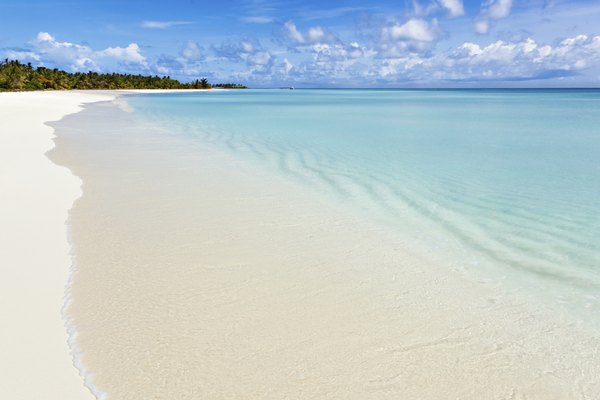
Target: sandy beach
[(300, 200), (199, 275), (36, 362)]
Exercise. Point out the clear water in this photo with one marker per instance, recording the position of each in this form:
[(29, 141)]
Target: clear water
[(505, 183)]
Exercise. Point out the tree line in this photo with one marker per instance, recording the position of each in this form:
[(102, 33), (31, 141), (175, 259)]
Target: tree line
[(15, 75)]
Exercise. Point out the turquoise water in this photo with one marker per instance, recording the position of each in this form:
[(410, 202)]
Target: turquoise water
[(505, 183)]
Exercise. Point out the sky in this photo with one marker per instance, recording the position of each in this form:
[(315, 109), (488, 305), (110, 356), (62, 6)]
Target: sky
[(345, 43)]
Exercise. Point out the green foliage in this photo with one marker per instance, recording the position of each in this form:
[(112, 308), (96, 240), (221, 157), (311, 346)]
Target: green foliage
[(15, 75)]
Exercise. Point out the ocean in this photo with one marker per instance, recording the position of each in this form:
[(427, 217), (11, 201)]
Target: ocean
[(352, 244), (501, 184)]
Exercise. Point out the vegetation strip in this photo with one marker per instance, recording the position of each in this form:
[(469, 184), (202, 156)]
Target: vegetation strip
[(15, 75)]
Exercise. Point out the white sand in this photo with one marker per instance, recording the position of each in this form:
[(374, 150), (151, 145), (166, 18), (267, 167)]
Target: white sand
[(35, 360)]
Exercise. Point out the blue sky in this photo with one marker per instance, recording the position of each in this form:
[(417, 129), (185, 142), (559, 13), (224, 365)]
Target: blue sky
[(269, 43)]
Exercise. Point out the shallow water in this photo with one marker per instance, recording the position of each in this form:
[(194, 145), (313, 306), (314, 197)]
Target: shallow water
[(199, 274), (501, 182)]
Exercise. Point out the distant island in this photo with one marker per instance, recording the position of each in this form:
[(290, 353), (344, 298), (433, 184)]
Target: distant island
[(16, 76)]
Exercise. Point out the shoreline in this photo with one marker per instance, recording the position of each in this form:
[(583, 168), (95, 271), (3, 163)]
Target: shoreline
[(219, 302), (213, 266), (36, 254)]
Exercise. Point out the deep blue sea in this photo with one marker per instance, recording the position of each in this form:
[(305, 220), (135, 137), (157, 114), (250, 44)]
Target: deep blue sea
[(504, 184)]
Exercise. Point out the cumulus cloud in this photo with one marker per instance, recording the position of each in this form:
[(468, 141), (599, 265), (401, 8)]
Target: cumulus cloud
[(333, 52), (491, 10), (517, 60), (44, 37), (47, 47), (47, 50), (130, 54), (414, 35), (414, 29), (323, 46), (319, 55), (471, 63)]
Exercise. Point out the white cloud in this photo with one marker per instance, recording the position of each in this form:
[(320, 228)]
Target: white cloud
[(499, 8), (259, 58), (469, 49), (415, 35), (579, 39), (75, 55), (22, 55), (455, 7), (247, 46), (525, 59), (322, 45), (451, 8), (594, 43), (491, 10), (191, 51), (130, 54), (499, 51), (47, 50), (163, 24), (413, 29), (44, 37), (315, 34), (296, 38), (399, 66), (475, 64), (391, 60), (481, 26), (287, 66), (292, 32)]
